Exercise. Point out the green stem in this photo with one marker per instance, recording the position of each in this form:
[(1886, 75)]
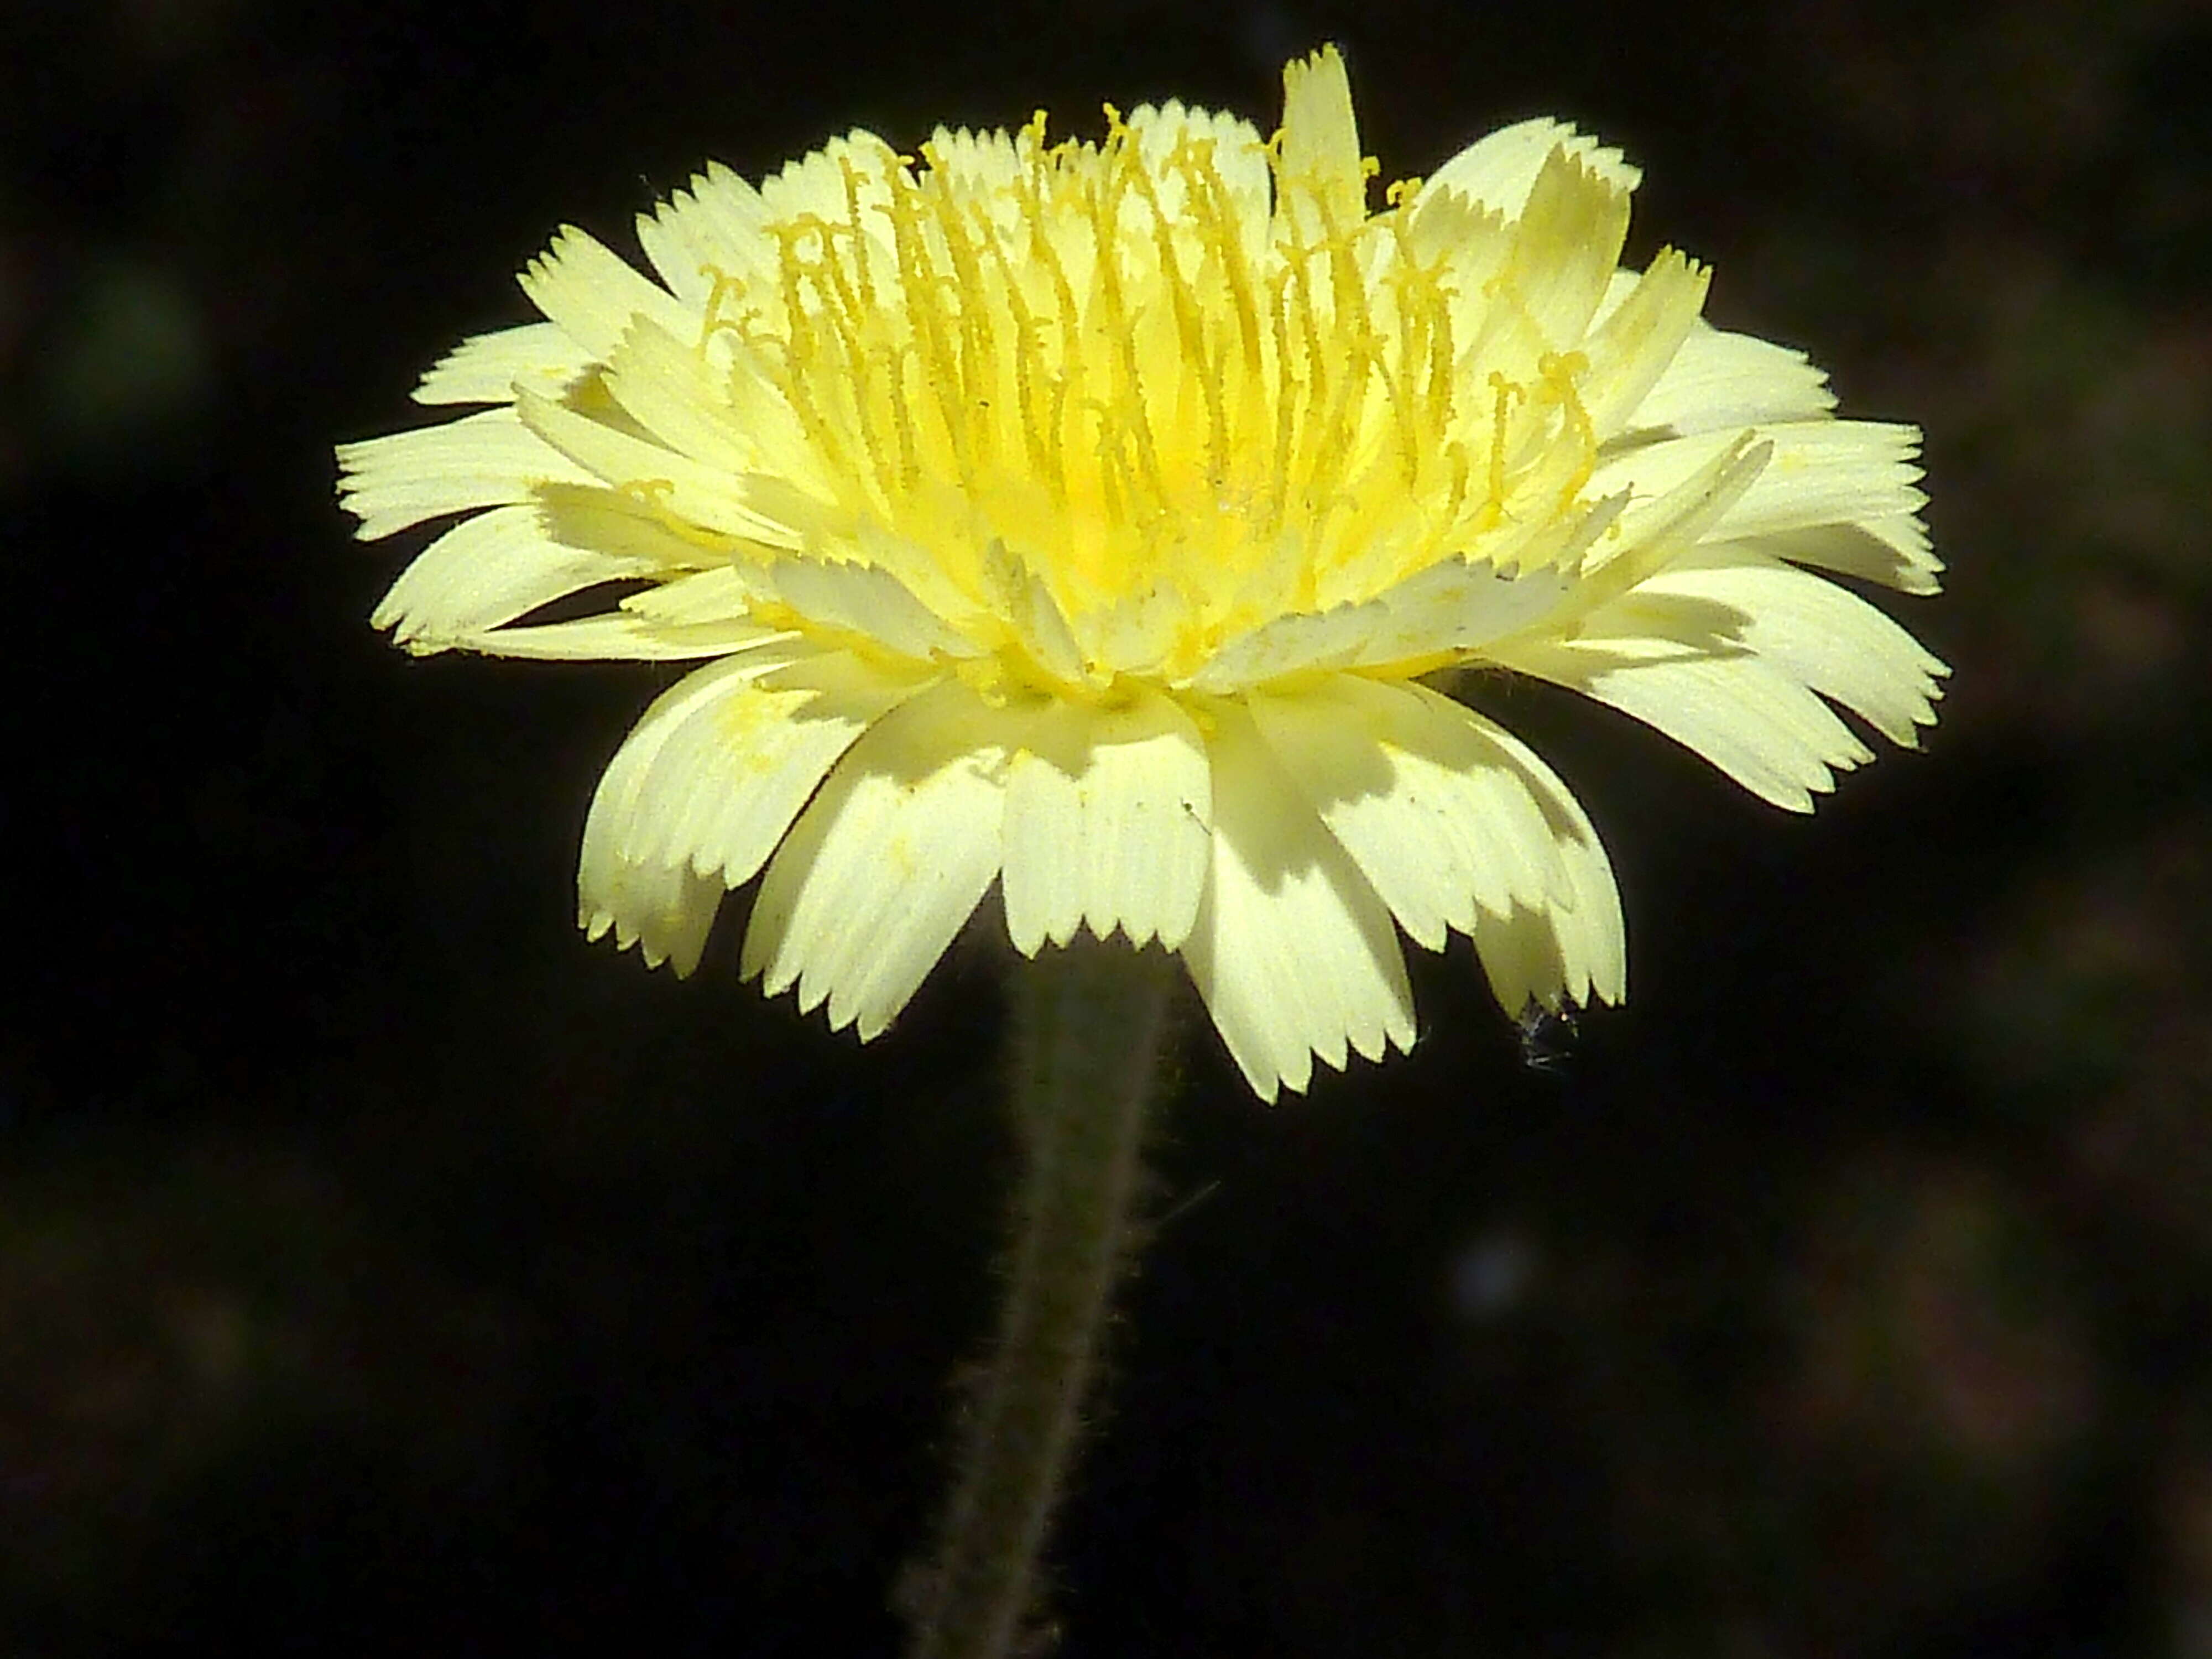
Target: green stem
[(1088, 1024)]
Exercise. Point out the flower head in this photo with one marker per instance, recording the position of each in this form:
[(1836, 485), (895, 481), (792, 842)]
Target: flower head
[(1099, 519)]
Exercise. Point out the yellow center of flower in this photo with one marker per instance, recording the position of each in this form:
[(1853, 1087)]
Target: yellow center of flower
[(1122, 371)]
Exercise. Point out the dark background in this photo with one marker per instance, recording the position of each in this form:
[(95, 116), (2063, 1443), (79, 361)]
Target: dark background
[(384, 1270)]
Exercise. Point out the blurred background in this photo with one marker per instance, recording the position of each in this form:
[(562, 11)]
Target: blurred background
[(383, 1269)]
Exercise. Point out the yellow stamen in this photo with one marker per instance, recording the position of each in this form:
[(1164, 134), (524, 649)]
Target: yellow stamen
[(1093, 354)]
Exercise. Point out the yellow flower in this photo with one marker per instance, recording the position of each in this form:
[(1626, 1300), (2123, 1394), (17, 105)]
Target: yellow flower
[(1097, 520)]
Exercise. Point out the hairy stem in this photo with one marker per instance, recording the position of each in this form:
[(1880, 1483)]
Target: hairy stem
[(1088, 1028)]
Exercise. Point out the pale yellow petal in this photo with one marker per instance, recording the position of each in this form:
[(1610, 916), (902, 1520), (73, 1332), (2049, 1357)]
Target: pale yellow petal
[(1237, 153), (486, 459), (628, 523), (1843, 495), (1109, 824), (1825, 638), (724, 594), (865, 599), (1566, 249), (1672, 665), (1536, 306), (1570, 952), (486, 368), (719, 408), (1592, 939), (815, 183), (672, 392), (489, 569), (1025, 605), (667, 910), (1457, 606), (594, 294), (1298, 643), (1454, 606), (712, 498), (1431, 804), (1638, 344), (1855, 477), (1893, 549), (1721, 382), (616, 635), (1831, 473), (982, 163), (1499, 169), (716, 229), (717, 769), (626, 881), (1651, 531), (1209, 173), (882, 870), (1321, 155), (1293, 953), (1821, 474), (728, 785), (1468, 244)]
